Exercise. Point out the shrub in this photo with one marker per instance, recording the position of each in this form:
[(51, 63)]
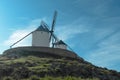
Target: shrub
[(34, 78), (48, 78), (8, 78), (69, 78)]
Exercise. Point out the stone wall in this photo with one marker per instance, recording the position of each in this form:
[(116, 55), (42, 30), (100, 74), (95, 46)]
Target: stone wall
[(41, 52)]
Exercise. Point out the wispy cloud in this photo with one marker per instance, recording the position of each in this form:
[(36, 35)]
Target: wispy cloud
[(17, 35), (107, 52), (20, 33), (66, 32), (94, 8)]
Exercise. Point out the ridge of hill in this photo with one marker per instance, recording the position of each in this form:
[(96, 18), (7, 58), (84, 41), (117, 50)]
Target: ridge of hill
[(33, 67)]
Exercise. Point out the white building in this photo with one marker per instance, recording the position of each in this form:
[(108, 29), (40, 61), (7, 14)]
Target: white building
[(40, 37), (60, 44)]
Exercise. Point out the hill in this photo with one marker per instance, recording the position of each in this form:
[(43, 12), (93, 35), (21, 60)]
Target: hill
[(34, 67)]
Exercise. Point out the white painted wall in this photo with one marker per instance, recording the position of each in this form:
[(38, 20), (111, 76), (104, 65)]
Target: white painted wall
[(40, 38), (62, 46)]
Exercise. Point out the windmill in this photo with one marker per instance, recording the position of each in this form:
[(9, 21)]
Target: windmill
[(45, 37)]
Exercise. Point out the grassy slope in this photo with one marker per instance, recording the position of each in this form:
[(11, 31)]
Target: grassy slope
[(43, 68)]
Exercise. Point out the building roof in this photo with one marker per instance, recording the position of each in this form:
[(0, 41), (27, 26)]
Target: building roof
[(60, 42), (42, 28)]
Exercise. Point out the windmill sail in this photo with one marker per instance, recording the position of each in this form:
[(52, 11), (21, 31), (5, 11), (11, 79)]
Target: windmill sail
[(53, 25), (20, 39)]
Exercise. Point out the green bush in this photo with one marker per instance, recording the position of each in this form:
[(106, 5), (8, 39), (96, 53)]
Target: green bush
[(8, 78), (70, 78), (34, 78), (48, 78), (66, 78)]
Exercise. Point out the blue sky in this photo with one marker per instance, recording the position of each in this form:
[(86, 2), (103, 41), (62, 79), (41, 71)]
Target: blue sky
[(90, 27)]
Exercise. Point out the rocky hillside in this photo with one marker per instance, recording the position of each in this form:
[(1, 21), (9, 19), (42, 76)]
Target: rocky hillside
[(37, 68)]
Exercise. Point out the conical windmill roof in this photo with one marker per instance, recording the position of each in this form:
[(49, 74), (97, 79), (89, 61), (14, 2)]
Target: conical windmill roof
[(60, 42), (42, 28)]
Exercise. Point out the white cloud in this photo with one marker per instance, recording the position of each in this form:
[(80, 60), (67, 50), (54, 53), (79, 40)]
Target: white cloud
[(107, 53), (69, 31), (20, 33), (17, 35)]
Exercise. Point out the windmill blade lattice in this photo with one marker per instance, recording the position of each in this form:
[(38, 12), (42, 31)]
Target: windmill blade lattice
[(20, 39), (53, 26)]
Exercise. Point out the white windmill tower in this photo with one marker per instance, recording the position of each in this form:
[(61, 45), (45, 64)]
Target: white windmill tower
[(40, 37)]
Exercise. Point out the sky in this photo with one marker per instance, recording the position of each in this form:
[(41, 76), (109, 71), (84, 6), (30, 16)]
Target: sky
[(90, 27)]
